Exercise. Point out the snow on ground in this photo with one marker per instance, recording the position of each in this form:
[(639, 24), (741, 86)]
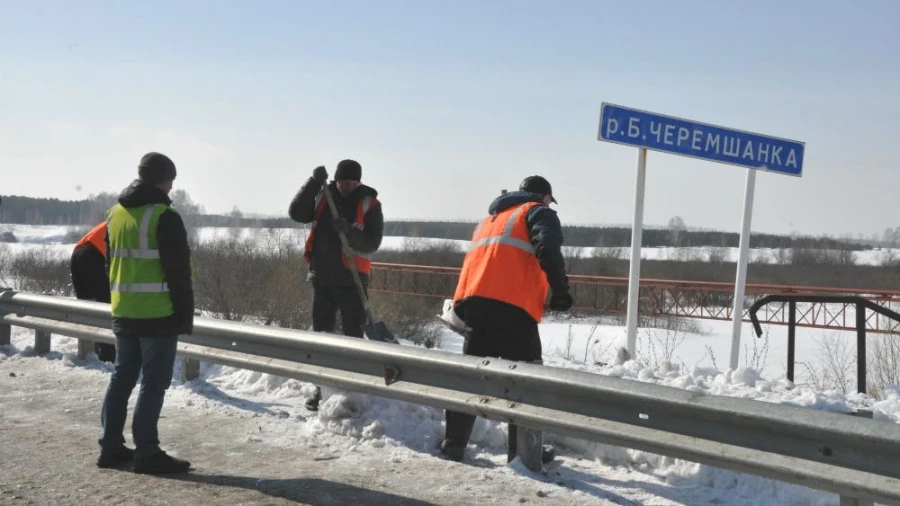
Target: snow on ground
[(54, 239), (42, 234), (702, 345), (60, 237), (365, 427)]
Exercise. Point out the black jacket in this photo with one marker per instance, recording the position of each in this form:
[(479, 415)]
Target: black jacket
[(326, 266), (175, 256), (545, 232)]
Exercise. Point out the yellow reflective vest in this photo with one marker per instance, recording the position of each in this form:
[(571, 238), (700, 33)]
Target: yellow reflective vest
[(136, 280)]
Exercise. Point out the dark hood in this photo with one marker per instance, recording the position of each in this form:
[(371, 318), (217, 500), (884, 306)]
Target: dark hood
[(140, 193), (504, 202)]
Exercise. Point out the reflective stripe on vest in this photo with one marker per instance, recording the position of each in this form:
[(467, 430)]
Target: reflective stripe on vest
[(360, 223), (137, 282), (311, 237), (501, 263), (362, 260), (139, 287), (133, 253), (143, 250), (507, 238)]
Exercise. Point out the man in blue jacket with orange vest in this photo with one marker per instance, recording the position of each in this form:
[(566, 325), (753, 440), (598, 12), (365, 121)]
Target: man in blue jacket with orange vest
[(514, 260), (362, 222)]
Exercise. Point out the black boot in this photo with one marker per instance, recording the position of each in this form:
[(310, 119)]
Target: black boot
[(105, 352), (312, 403), (548, 453), (456, 436), (114, 458), (452, 451), (160, 463)]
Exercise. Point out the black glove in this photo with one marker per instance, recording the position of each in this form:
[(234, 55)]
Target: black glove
[(561, 301), (341, 225), (320, 175)]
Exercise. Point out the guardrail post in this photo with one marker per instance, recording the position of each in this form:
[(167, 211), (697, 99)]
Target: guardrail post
[(529, 444), (41, 342), (84, 348), (5, 334), (190, 369), (526, 443)]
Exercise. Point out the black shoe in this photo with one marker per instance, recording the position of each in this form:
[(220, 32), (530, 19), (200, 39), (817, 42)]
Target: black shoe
[(115, 458), (105, 352), (451, 451), (312, 403), (160, 463), (548, 453)]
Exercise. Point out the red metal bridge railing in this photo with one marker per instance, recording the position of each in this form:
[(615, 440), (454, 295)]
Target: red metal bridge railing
[(661, 297)]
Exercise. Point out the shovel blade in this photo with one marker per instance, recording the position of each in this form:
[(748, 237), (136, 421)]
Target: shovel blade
[(378, 331)]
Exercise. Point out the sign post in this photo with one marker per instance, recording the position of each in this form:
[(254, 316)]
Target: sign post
[(646, 130), (740, 282), (634, 271)]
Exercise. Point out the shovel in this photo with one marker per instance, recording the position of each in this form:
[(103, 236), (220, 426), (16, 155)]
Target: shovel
[(376, 331)]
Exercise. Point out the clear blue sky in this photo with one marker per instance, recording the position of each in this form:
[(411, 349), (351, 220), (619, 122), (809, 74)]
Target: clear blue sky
[(446, 103)]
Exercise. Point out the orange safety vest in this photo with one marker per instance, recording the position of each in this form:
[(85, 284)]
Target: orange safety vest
[(362, 261), (502, 265), (96, 237)]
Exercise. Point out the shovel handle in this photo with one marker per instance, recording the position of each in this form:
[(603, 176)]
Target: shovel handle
[(345, 246)]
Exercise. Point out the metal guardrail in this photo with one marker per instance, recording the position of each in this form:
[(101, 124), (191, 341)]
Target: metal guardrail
[(829, 451)]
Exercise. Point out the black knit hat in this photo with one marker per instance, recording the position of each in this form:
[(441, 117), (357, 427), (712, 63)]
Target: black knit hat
[(156, 168), (539, 185), (348, 169)]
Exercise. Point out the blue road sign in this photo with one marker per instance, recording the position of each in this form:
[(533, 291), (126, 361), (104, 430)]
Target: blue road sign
[(644, 129)]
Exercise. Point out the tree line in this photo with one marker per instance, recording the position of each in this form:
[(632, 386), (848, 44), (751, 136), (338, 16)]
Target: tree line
[(44, 211)]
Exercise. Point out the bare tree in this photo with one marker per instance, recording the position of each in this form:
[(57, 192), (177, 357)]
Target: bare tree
[(98, 205), (676, 227), (891, 237), (603, 260), (884, 363), (191, 212), (836, 364)]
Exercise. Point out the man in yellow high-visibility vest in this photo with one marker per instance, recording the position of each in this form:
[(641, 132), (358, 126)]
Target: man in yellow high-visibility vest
[(149, 263)]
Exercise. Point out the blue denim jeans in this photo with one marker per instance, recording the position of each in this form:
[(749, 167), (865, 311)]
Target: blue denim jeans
[(152, 358)]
